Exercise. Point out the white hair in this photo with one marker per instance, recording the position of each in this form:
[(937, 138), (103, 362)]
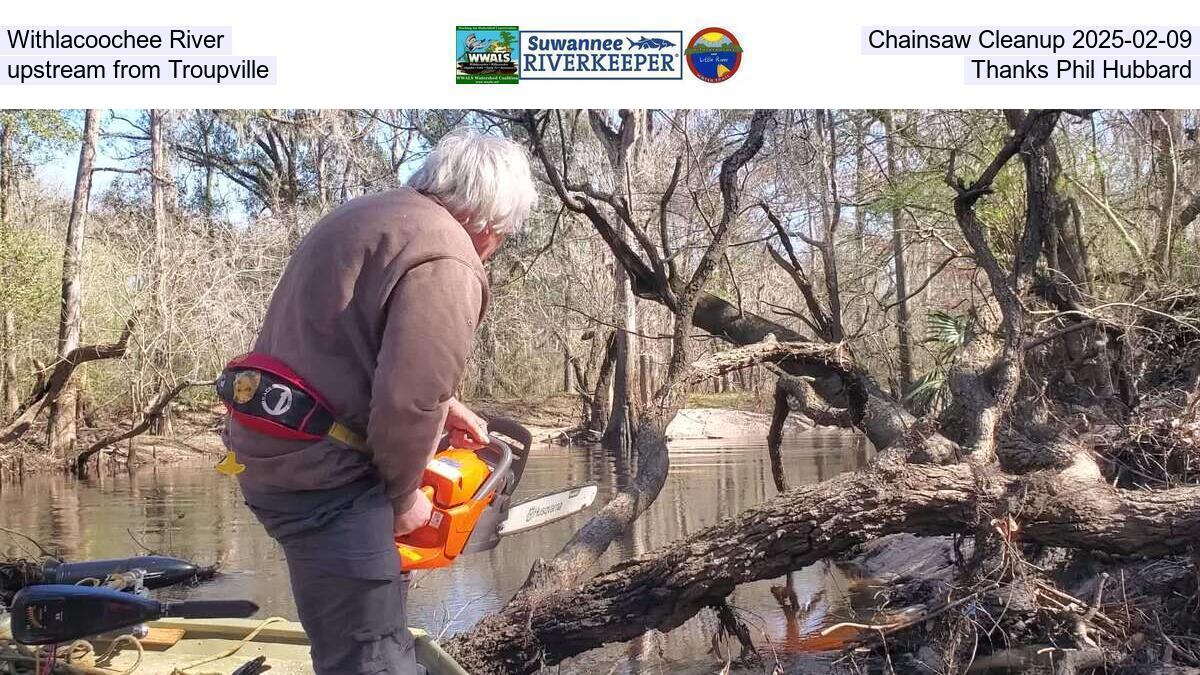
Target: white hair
[(483, 181)]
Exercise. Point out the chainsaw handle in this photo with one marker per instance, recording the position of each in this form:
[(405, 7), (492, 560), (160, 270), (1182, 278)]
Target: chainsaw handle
[(523, 439), (513, 430), (500, 473)]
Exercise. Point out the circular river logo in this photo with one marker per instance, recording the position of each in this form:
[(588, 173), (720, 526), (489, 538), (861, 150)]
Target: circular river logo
[(713, 54)]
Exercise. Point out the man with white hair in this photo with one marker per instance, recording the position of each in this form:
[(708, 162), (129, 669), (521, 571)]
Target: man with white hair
[(375, 317)]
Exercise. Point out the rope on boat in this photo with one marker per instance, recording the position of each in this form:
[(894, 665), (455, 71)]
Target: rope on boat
[(112, 650), (230, 652), (77, 658)]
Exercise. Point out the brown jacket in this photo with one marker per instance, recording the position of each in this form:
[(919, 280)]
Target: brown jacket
[(377, 311)]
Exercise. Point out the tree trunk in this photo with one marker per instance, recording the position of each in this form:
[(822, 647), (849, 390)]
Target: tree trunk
[(567, 381), (8, 368), (1164, 135), (618, 433), (877, 415), (598, 416), (61, 424), (159, 180), (12, 397), (621, 149), (903, 341), (861, 127), (775, 439), (485, 385), (831, 217), (1056, 229), (7, 175), (210, 171)]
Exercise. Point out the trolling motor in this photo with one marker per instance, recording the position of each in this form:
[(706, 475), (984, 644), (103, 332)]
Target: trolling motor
[(55, 613), (125, 574), (160, 571)]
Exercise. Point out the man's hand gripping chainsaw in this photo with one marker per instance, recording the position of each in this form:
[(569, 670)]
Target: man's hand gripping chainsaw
[(471, 492)]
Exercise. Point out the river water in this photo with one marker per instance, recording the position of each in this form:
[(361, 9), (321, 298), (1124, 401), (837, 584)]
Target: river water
[(197, 513)]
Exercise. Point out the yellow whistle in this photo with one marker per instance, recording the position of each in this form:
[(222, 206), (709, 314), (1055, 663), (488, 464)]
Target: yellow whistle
[(229, 465)]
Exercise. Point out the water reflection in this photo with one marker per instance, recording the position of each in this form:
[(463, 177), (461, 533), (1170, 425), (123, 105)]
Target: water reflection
[(197, 513)]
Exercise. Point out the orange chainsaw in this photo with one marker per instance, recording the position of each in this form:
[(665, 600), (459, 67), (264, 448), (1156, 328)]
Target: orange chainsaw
[(471, 492)]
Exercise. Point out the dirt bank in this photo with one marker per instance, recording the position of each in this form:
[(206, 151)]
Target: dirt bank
[(195, 437), (716, 423), (707, 417)]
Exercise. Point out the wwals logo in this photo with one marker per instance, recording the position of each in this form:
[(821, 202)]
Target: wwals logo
[(486, 54)]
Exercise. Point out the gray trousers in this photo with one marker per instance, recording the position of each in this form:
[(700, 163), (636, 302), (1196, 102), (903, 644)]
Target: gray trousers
[(349, 591)]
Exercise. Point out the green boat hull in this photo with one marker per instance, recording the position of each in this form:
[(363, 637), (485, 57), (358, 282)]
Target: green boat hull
[(283, 643)]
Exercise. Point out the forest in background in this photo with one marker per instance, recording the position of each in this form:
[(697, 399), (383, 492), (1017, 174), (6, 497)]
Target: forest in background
[(192, 256), (1002, 302)]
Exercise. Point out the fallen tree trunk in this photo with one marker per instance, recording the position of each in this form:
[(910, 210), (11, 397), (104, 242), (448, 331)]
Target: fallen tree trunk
[(48, 390), (664, 588), (882, 419), (836, 356)]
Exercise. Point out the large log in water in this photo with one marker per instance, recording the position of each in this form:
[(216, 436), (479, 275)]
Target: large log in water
[(664, 588)]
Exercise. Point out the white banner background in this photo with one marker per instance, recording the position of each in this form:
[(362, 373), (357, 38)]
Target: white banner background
[(401, 54)]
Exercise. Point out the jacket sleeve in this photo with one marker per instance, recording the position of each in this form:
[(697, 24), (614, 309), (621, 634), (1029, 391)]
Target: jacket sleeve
[(430, 329)]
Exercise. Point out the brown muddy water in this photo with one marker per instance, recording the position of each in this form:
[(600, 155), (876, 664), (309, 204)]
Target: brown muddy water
[(196, 513)]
